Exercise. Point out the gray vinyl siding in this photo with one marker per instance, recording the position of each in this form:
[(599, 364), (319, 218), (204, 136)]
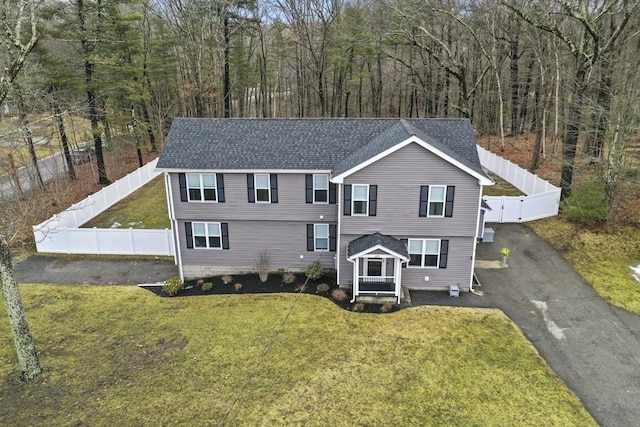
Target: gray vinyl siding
[(458, 265), (291, 202), (284, 241), (399, 177)]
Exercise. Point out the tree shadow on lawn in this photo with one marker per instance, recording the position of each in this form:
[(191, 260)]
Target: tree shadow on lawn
[(275, 283)]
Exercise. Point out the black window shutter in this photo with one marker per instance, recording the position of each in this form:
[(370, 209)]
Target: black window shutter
[(373, 200), (182, 179), (224, 229), (424, 200), (309, 187), (406, 243), (347, 200), (332, 193), (448, 206), (310, 243), (333, 230), (189, 235), (250, 188), (274, 188), (220, 183), (444, 253)]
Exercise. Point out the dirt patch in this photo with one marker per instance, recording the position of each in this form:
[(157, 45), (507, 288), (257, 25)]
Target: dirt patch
[(175, 343)]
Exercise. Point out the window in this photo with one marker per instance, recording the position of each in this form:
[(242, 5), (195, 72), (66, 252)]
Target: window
[(207, 235), (262, 186), (436, 200), (321, 237), (202, 187), (425, 253), (320, 188), (360, 199), (374, 267)]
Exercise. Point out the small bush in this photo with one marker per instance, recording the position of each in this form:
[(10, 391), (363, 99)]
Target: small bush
[(386, 307), (322, 288), (288, 278), (339, 295), (301, 288), (263, 265), (199, 282), (207, 286), (237, 286), (314, 271), (586, 204), (172, 286), (359, 306), (226, 279)]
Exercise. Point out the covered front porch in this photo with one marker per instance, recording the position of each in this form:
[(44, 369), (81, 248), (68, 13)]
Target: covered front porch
[(377, 265)]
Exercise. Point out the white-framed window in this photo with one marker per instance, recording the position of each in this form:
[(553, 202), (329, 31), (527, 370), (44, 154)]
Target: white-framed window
[(360, 199), (320, 188), (207, 235), (436, 200), (262, 187), (321, 237), (201, 187), (424, 253)]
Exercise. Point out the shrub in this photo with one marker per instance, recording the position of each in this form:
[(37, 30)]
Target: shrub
[(386, 307), (359, 306), (237, 286), (301, 288), (288, 278), (339, 295), (199, 282), (322, 288), (172, 285), (207, 286), (314, 271), (226, 279), (587, 203), (263, 265)]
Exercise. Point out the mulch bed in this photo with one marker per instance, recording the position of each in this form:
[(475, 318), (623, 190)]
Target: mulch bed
[(251, 284)]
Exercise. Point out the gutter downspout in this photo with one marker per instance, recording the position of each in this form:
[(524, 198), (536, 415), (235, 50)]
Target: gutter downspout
[(475, 240), (338, 228), (177, 257)]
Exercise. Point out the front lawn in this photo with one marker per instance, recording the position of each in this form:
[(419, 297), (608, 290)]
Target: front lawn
[(122, 356), (603, 257)]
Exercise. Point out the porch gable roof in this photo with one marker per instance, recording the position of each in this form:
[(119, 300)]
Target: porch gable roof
[(369, 242)]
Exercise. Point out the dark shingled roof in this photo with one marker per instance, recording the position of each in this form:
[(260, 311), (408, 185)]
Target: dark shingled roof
[(369, 241), (307, 144)]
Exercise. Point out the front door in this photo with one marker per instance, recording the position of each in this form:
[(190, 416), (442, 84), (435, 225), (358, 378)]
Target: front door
[(374, 268)]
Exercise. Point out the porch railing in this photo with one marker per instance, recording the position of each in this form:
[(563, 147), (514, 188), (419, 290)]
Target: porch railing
[(378, 284)]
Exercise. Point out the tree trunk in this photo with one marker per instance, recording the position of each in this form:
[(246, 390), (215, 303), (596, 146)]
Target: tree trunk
[(22, 339), (573, 129), (57, 112), (28, 136), (226, 79), (15, 175), (514, 83)]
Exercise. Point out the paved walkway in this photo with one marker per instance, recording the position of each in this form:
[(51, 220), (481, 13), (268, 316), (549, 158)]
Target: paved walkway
[(593, 346)]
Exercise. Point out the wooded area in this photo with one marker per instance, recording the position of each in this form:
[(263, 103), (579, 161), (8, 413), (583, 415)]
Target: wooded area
[(564, 71)]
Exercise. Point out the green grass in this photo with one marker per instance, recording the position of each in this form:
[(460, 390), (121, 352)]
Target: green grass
[(122, 356), (145, 208), (500, 188), (601, 256)]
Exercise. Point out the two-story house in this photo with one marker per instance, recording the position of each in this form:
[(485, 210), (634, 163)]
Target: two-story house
[(384, 203)]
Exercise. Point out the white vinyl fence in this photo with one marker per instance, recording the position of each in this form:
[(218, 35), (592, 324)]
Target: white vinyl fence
[(541, 199), (61, 233)]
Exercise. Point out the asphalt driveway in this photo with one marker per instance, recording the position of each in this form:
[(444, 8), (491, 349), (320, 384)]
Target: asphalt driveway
[(593, 346), (77, 270)]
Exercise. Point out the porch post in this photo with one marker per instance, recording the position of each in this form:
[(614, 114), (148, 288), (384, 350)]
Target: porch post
[(356, 284), (397, 273)]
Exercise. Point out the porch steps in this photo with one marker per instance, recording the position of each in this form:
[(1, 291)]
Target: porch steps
[(370, 299)]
